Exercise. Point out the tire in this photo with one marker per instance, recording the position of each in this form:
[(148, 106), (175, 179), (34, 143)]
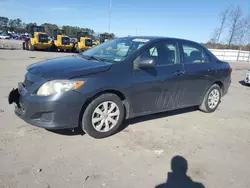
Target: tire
[(31, 47), (77, 49), (90, 115), (24, 45), (208, 106), (54, 48)]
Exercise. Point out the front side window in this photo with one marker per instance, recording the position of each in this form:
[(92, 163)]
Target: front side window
[(194, 54), (116, 50), (163, 53)]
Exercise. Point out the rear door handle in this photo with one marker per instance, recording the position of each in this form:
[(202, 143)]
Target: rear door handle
[(178, 73), (211, 70)]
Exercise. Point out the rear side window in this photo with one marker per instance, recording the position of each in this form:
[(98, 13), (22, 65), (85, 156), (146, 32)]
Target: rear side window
[(193, 53)]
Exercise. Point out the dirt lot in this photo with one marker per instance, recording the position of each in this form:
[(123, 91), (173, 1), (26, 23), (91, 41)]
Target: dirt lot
[(216, 146)]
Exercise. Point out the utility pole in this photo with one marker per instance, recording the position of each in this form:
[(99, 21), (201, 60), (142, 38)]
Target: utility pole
[(110, 6)]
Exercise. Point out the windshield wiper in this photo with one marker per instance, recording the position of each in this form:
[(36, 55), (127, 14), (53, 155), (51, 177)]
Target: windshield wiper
[(92, 58)]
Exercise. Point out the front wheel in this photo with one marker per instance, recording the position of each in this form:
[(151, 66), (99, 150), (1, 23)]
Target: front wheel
[(211, 99), (103, 116), (26, 45)]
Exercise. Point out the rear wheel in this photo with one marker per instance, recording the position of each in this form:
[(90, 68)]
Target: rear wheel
[(103, 116), (24, 45), (211, 99)]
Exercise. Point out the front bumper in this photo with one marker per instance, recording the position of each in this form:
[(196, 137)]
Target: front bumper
[(85, 48), (65, 47), (59, 111), (42, 46), (247, 78)]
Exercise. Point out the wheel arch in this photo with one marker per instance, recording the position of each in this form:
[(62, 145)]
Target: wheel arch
[(113, 91), (220, 84)]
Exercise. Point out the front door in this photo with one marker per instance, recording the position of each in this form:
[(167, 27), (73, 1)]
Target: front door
[(157, 88)]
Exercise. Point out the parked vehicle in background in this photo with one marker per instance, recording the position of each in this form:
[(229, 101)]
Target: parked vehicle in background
[(84, 42), (39, 39), (4, 36), (61, 41), (120, 79), (247, 78), (15, 36), (104, 37), (73, 40), (23, 37)]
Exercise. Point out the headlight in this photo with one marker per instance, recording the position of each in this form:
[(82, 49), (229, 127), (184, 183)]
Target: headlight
[(58, 86)]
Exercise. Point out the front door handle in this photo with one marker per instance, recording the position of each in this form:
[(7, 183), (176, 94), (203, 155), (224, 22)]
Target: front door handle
[(178, 73)]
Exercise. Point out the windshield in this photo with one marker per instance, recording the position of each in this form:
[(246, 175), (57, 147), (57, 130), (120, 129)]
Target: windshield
[(88, 42), (116, 50), (43, 38), (65, 40)]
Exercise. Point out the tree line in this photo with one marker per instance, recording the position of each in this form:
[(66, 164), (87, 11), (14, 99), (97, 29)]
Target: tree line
[(233, 32), (18, 26)]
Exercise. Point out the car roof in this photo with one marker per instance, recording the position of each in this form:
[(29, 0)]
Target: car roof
[(158, 38)]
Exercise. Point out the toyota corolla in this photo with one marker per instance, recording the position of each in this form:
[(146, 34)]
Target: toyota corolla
[(120, 79)]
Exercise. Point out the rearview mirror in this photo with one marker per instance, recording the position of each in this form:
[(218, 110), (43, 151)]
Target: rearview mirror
[(147, 63)]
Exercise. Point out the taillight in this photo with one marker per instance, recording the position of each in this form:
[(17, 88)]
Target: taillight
[(230, 69)]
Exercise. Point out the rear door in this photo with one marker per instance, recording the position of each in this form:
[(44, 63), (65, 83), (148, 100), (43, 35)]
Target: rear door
[(199, 73)]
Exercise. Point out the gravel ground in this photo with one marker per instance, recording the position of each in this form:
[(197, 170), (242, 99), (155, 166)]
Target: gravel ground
[(216, 146)]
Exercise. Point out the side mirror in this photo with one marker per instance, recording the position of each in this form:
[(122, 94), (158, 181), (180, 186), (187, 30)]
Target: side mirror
[(147, 63)]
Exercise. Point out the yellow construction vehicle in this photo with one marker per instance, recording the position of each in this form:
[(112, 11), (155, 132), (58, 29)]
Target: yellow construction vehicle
[(61, 41), (104, 37), (84, 42), (39, 40)]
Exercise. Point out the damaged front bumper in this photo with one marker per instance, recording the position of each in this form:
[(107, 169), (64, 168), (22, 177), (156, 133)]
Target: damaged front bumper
[(58, 111)]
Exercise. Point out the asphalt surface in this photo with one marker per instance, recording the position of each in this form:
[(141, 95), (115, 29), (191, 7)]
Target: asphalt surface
[(216, 146)]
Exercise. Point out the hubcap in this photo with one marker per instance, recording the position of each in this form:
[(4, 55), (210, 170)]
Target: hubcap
[(105, 116), (213, 98)]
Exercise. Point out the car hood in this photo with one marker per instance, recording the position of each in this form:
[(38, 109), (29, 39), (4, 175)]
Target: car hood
[(67, 67)]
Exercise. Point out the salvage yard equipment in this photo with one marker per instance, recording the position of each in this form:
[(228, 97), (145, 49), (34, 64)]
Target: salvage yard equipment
[(61, 41), (104, 37), (84, 42), (39, 39)]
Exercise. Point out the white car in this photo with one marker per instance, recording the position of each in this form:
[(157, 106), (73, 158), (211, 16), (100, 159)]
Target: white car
[(247, 78), (4, 36)]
